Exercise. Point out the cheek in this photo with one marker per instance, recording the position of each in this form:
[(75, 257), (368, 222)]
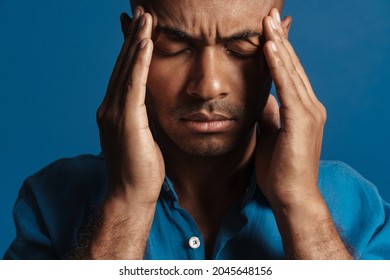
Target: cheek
[(164, 88), (165, 80), (255, 80), (256, 86)]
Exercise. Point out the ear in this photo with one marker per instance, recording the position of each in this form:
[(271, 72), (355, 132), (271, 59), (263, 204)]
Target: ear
[(286, 24), (125, 23)]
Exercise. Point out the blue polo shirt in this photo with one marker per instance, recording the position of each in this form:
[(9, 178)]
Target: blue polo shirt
[(57, 201)]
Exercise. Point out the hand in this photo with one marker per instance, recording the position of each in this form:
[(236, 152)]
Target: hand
[(134, 160), (288, 153), (135, 163)]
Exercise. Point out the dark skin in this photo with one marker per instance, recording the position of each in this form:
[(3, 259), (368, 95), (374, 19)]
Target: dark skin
[(204, 120)]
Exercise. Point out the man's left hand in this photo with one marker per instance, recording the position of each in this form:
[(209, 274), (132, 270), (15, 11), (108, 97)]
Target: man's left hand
[(288, 152)]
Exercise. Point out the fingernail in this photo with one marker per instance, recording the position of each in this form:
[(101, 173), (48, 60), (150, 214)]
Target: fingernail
[(273, 24), (273, 47), (143, 43), (277, 17), (137, 13), (141, 22)]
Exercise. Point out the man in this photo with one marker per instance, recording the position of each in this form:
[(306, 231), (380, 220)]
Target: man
[(200, 162)]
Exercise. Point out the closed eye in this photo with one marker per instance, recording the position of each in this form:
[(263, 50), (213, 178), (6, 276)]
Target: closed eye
[(168, 53), (168, 47), (242, 48), (241, 54)]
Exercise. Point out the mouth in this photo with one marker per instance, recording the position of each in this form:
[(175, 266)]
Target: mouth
[(207, 123)]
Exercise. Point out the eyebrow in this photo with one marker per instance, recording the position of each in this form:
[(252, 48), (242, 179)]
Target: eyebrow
[(184, 36)]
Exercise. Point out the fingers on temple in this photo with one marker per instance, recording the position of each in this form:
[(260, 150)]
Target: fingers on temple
[(124, 18), (137, 78), (290, 78), (136, 53), (286, 87), (129, 40), (288, 82), (293, 56), (114, 86), (130, 55)]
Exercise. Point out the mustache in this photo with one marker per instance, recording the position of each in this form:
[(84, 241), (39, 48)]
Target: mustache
[(215, 106)]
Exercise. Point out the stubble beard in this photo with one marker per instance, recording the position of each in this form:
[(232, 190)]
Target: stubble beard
[(208, 145)]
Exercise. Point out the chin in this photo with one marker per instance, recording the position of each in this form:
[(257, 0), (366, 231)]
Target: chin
[(208, 151), (207, 147)]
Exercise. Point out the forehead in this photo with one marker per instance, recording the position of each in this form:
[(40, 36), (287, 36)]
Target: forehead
[(211, 17)]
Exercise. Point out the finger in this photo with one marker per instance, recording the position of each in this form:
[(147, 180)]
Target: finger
[(129, 41), (129, 37), (144, 32), (294, 58), (284, 27), (286, 87), (269, 121), (138, 76), (286, 24), (125, 24), (273, 34), (114, 85)]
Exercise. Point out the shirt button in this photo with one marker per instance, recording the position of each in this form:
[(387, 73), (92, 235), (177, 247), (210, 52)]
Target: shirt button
[(194, 242)]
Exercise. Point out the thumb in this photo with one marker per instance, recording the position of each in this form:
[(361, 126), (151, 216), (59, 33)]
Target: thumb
[(269, 121)]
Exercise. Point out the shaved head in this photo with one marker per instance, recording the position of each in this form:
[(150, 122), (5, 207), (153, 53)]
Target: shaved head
[(134, 3)]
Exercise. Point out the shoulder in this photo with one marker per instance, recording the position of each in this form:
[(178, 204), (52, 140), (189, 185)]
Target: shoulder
[(339, 181), (63, 196), (69, 183), (357, 208), (54, 203), (79, 165), (66, 175)]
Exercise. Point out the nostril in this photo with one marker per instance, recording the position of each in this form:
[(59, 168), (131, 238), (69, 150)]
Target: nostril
[(222, 95), (207, 96)]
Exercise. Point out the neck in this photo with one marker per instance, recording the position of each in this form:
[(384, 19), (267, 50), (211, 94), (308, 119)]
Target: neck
[(200, 177)]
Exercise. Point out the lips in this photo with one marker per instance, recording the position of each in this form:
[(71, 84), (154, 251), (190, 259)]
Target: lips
[(207, 123)]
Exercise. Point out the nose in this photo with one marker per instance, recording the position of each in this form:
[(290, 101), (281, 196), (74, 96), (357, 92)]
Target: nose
[(208, 79)]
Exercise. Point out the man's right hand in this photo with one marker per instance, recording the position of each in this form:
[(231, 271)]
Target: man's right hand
[(135, 163)]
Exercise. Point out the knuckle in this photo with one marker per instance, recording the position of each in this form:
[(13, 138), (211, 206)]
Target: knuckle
[(130, 30), (129, 83), (137, 39), (279, 39), (311, 116), (106, 118), (323, 112), (109, 118), (292, 70), (296, 61), (283, 36), (318, 117), (100, 114), (280, 64)]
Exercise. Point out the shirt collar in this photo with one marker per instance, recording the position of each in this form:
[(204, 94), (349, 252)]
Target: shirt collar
[(169, 190), (250, 190)]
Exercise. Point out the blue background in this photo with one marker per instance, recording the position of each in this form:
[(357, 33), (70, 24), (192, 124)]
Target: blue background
[(56, 58)]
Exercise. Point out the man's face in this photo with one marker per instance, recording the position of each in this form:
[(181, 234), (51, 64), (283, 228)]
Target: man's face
[(208, 81)]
